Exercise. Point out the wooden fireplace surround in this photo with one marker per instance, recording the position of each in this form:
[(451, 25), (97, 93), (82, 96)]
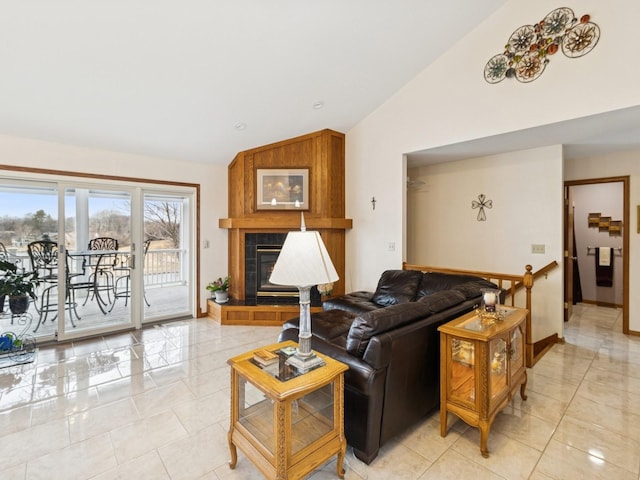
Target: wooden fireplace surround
[(322, 153)]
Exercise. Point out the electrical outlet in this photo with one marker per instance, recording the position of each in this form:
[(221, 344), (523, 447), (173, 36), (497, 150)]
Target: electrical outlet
[(391, 246), (537, 248)]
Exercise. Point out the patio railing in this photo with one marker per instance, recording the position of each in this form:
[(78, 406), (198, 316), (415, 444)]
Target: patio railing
[(164, 267)]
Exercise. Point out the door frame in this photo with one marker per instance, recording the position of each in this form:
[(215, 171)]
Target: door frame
[(54, 176), (625, 238)]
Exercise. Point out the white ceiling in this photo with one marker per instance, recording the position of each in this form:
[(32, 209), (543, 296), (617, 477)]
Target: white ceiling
[(173, 78)]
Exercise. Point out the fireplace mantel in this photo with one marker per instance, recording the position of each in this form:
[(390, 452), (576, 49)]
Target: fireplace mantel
[(322, 153), (288, 224)]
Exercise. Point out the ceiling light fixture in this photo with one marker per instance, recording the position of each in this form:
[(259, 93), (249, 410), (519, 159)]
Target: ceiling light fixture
[(240, 126), (318, 105)]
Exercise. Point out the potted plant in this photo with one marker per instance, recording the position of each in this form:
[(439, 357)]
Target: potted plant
[(17, 286), (220, 289), (325, 289)]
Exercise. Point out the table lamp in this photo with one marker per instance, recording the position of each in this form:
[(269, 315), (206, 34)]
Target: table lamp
[(303, 262)]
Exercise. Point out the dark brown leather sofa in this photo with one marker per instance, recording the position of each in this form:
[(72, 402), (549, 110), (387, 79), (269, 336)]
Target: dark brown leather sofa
[(389, 340)]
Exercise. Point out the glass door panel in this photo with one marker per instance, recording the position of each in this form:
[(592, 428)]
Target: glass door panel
[(498, 366), (167, 259), (517, 358), (98, 257), (29, 213)]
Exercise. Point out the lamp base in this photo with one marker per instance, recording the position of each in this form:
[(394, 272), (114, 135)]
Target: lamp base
[(304, 363)]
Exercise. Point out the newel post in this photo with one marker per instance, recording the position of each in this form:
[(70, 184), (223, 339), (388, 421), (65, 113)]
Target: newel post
[(528, 285)]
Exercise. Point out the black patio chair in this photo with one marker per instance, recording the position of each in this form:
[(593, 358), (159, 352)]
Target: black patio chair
[(103, 243), (103, 268), (44, 260)]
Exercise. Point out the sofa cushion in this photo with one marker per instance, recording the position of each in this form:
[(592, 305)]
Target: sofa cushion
[(439, 301), (397, 286), (378, 321), (474, 288), (436, 281), (354, 302)]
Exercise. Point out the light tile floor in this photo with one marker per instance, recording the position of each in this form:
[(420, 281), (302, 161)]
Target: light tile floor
[(154, 404)]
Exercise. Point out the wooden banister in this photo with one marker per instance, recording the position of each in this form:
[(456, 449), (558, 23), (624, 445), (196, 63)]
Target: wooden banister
[(543, 271)]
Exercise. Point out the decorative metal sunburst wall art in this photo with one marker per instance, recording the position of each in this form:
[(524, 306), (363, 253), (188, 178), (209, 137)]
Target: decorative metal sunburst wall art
[(481, 204), (527, 51)]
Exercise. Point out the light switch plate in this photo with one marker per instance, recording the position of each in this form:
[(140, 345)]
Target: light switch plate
[(537, 248)]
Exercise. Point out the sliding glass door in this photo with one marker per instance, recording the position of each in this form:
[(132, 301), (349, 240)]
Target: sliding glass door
[(115, 255)]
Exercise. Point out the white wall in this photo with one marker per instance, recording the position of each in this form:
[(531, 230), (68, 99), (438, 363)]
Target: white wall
[(450, 102), (608, 200), (613, 165), (212, 179), (525, 190)]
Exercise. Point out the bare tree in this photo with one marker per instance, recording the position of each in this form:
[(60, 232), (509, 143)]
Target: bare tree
[(162, 220)]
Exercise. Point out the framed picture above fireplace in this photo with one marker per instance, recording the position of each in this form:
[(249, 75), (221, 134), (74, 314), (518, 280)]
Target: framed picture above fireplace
[(282, 189)]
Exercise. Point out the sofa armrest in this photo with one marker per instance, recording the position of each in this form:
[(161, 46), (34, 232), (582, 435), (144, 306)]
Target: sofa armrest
[(360, 373)]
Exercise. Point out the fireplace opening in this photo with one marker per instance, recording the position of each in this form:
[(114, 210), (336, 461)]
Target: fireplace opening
[(266, 257), (261, 253)]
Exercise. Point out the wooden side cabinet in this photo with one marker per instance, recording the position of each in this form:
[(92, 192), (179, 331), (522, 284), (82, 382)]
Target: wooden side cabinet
[(481, 367), (287, 423)]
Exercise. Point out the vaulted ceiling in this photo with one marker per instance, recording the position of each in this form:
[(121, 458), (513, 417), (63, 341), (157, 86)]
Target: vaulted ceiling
[(201, 80)]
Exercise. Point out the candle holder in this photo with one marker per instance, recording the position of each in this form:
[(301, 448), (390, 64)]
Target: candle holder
[(490, 299), (488, 310)]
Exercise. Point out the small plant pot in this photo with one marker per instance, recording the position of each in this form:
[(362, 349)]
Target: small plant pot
[(19, 304), (221, 297)]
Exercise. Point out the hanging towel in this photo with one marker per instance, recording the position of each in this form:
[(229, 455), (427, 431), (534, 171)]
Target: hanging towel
[(604, 267)]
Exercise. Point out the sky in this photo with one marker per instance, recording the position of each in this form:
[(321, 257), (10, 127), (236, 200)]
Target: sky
[(21, 204)]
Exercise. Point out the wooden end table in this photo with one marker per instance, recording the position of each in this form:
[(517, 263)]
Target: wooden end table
[(287, 423)]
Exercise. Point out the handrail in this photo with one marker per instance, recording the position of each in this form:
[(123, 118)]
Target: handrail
[(543, 271), (477, 273)]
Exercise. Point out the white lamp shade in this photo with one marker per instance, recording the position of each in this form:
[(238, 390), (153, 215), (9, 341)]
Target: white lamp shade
[(303, 261)]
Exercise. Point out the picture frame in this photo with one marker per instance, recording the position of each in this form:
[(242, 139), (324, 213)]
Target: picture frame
[(282, 189)]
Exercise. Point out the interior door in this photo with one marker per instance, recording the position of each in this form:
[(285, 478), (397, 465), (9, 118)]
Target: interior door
[(97, 261), (569, 254)]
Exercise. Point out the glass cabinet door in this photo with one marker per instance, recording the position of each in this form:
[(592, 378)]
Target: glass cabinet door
[(517, 348), (497, 366), (311, 417), (255, 413), (463, 376)]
